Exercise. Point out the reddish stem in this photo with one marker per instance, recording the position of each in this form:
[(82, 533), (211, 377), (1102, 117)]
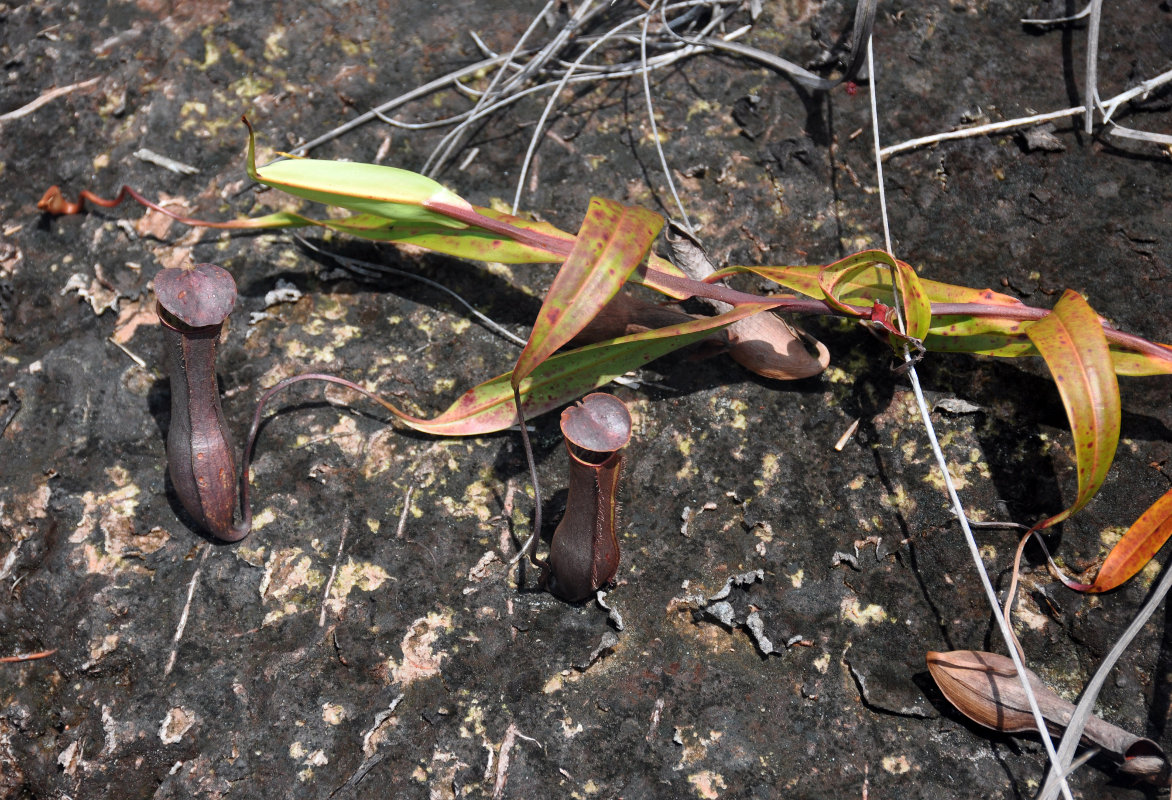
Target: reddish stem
[(54, 202), (27, 656)]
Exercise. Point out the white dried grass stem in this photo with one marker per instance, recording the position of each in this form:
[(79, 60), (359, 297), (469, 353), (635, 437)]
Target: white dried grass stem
[(942, 462), (979, 130)]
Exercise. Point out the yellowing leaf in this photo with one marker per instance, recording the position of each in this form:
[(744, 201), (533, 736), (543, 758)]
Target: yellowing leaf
[(1071, 340), (917, 308)]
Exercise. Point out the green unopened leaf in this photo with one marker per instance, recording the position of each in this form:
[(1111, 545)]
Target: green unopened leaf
[(836, 278), (1071, 340), (388, 192)]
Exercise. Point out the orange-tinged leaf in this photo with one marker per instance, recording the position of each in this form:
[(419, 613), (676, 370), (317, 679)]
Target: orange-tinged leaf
[(1143, 540), (1071, 340), (613, 240)]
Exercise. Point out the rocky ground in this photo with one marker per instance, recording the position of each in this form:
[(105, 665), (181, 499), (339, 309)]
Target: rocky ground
[(368, 640)]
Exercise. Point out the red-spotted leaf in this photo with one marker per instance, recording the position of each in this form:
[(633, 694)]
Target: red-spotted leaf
[(1143, 540), (613, 240), (917, 308), (870, 283), (1071, 340), (1133, 364)]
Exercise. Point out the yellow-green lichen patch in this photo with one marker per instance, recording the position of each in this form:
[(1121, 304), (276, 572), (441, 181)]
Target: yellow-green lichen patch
[(852, 611), (1147, 576), (250, 85), (701, 106), (770, 468), (295, 350), (333, 713), (341, 334), (254, 557), (265, 517), (835, 374), (473, 724), (362, 575), (211, 53), (729, 411), (113, 513), (274, 50), (420, 658), (899, 498), (193, 108), (707, 784), (1110, 536), (290, 582), (958, 473), (684, 445), (478, 501)]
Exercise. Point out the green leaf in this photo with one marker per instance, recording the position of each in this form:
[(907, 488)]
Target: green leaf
[(952, 333), (1071, 340), (566, 376), (613, 240), (991, 336), (870, 282)]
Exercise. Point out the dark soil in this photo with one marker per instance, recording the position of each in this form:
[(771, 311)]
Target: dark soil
[(432, 670)]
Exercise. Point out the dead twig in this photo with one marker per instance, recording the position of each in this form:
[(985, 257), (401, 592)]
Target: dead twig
[(186, 608), (334, 569), (45, 98)]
